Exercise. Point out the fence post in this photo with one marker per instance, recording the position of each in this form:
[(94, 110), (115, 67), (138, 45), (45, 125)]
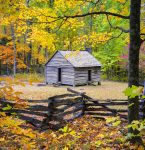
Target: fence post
[(50, 109), (144, 88), (84, 105), (142, 106)]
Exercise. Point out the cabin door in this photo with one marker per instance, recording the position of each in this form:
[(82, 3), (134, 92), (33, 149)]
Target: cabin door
[(59, 74), (89, 75)]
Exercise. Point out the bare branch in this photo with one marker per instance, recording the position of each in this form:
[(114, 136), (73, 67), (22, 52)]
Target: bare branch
[(61, 24), (94, 3), (98, 13), (47, 22), (116, 27)]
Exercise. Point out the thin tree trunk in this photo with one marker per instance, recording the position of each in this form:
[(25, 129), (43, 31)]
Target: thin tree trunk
[(14, 47), (27, 3), (51, 3), (29, 54), (133, 75)]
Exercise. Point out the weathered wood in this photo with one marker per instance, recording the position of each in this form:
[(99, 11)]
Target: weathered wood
[(90, 99), (58, 60), (114, 112), (62, 96), (81, 75), (74, 106), (99, 113), (142, 105), (68, 112), (114, 100), (75, 92), (67, 75), (103, 109), (111, 103), (71, 75), (66, 107)]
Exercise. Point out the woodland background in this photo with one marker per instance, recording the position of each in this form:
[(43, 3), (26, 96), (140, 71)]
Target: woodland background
[(30, 33), (32, 30)]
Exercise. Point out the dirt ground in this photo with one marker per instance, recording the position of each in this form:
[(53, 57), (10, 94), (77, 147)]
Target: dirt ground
[(107, 90)]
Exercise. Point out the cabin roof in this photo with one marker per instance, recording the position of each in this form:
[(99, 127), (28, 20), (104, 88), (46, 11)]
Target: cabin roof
[(79, 58)]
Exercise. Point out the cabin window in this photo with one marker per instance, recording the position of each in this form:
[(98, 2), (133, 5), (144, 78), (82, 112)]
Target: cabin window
[(59, 74), (89, 75)]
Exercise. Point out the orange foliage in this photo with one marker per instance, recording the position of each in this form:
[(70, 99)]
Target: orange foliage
[(6, 54), (7, 57)]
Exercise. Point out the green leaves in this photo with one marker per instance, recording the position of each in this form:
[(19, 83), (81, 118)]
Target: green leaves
[(114, 121), (65, 129), (68, 130), (134, 125), (8, 107), (133, 91), (138, 125), (99, 143)]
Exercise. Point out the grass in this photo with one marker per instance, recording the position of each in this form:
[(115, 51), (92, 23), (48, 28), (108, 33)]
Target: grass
[(30, 77)]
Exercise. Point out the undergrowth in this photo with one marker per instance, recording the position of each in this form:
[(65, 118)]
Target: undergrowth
[(30, 77)]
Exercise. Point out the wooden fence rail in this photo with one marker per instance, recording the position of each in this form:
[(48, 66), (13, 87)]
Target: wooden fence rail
[(66, 107), (113, 112), (106, 108)]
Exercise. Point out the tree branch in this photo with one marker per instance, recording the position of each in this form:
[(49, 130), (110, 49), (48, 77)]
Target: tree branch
[(116, 27), (47, 22), (98, 13), (115, 37), (94, 3), (142, 34), (61, 24)]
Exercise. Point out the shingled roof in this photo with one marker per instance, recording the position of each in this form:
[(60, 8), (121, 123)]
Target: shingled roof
[(80, 58)]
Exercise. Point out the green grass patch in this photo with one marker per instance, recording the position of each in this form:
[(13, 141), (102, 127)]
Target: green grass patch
[(30, 77)]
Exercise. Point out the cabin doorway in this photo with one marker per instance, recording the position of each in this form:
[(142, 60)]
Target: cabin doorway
[(59, 75), (89, 75)]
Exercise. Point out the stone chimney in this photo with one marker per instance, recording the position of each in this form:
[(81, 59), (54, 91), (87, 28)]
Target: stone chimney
[(89, 49)]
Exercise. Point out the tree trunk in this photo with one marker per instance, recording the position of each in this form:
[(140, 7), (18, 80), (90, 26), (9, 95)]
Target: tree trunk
[(14, 47), (51, 3), (133, 75)]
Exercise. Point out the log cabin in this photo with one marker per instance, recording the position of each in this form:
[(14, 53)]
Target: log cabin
[(73, 68)]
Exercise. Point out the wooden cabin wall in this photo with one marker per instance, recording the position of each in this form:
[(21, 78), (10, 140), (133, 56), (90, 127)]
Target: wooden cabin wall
[(96, 74), (59, 61), (51, 74), (81, 75), (51, 71), (68, 76)]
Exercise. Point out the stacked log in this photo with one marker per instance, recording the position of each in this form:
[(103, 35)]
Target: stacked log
[(64, 108)]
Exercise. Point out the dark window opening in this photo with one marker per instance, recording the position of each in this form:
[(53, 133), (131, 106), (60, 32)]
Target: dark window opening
[(59, 74), (89, 75)]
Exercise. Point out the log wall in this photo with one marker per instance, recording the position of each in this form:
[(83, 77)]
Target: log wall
[(81, 75), (70, 75)]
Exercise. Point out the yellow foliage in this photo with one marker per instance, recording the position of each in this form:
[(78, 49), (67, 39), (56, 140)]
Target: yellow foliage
[(121, 1), (43, 38), (125, 11)]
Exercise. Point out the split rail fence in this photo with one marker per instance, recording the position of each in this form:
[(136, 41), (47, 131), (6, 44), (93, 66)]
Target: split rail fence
[(70, 106)]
